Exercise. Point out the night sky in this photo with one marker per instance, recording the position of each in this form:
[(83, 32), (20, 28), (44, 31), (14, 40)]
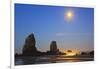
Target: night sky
[(50, 23)]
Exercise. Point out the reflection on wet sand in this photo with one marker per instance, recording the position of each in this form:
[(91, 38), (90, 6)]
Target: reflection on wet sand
[(51, 59)]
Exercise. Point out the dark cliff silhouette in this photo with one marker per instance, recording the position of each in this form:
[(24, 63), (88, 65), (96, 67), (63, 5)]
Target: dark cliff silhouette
[(53, 46), (90, 53), (29, 48), (54, 50)]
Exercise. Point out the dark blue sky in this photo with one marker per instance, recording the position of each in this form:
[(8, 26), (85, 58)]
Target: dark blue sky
[(49, 23)]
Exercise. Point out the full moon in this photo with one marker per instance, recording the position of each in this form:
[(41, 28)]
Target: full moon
[(69, 15)]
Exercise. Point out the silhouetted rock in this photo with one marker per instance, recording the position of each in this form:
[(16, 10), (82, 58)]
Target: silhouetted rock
[(54, 50), (53, 46), (29, 48), (91, 53), (16, 55), (83, 53)]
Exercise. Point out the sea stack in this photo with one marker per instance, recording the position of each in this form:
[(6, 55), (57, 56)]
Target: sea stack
[(53, 48), (29, 48)]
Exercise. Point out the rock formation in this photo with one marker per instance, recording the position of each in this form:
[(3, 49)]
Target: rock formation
[(29, 48), (53, 46), (53, 49)]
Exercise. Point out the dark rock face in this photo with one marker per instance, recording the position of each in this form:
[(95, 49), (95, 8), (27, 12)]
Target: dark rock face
[(53, 46), (29, 48), (91, 53), (53, 49)]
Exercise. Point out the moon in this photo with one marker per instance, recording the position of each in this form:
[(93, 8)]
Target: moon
[(69, 15)]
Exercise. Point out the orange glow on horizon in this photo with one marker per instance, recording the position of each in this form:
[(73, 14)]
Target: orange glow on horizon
[(72, 53)]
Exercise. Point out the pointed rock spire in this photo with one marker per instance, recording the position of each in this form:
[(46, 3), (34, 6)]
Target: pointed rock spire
[(29, 48)]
